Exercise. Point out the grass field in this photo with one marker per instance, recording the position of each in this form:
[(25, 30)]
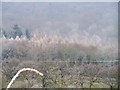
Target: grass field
[(35, 83)]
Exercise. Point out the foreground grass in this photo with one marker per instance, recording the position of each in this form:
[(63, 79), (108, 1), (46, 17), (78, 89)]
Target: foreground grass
[(32, 83)]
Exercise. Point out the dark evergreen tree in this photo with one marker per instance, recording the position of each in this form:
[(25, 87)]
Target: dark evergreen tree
[(28, 34), (17, 31), (4, 33)]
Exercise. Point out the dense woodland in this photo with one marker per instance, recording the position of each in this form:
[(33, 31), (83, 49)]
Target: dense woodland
[(64, 62)]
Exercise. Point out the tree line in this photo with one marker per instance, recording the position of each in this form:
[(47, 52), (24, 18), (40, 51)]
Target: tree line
[(16, 31)]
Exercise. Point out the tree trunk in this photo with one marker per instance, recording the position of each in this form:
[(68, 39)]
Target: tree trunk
[(111, 87), (81, 84)]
